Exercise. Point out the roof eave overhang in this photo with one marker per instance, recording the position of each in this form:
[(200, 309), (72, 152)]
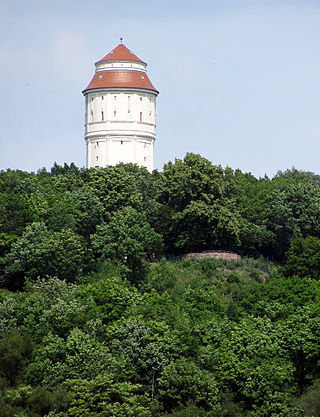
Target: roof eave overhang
[(138, 89)]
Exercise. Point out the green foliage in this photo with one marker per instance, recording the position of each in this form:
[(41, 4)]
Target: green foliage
[(122, 186), (310, 400), (15, 352), (191, 410), (28, 401), (183, 381), (53, 305), (40, 252), (102, 397), (129, 238), (9, 311), (202, 198), (93, 328), (79, 356), (303, 258), (140, 350), (15, 211), (293, 211), (111, 296)]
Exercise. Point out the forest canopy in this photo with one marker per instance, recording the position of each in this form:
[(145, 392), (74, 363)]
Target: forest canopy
[(99, 316)]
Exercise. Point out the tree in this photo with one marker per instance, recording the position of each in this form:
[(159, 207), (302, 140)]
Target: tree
[(183, 381), (40, 252), (310, 400), (303, 258), (120, 186), (249, 359), (15, 353), (80, 356), (88, 212), (103, 397), (293, 211), (52, 305), (302, 338), (201, 199), (111, 295), (127, 237), (135, 344)]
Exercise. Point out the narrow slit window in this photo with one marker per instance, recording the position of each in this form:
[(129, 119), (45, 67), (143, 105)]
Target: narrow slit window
[(102, 116), (141, 116), (114, 113), (122, 142)]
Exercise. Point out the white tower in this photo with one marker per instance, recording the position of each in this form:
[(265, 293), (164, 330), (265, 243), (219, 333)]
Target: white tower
[(120, 112)]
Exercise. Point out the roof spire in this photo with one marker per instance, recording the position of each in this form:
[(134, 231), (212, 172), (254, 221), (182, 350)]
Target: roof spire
[(121, 39)]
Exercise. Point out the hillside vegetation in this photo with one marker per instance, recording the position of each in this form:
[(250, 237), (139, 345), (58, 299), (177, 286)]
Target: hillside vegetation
[(99, 317)]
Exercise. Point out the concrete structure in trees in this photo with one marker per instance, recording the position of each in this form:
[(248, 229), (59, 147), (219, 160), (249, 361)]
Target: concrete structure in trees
[(120, 116)]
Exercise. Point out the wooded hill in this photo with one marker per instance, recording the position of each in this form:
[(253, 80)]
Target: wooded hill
[(98, 317)]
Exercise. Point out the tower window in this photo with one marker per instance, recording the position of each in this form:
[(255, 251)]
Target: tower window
[(122, 142), (128, 110), (92, 115), (145, 158), (97, 157), (140, 98), (114, 113), (102, 116), (115, 97), (141, 116), (102, 97)]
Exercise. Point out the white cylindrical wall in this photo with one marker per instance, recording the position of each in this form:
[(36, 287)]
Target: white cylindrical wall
[(120, 127)]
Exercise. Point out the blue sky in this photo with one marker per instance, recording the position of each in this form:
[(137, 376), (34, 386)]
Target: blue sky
[(239, 80)]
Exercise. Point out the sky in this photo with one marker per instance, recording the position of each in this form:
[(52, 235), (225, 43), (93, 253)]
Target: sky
[(239, 81)]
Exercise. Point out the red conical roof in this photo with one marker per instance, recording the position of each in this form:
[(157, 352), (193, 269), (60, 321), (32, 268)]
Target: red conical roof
[(121, 53), (122, 79)]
